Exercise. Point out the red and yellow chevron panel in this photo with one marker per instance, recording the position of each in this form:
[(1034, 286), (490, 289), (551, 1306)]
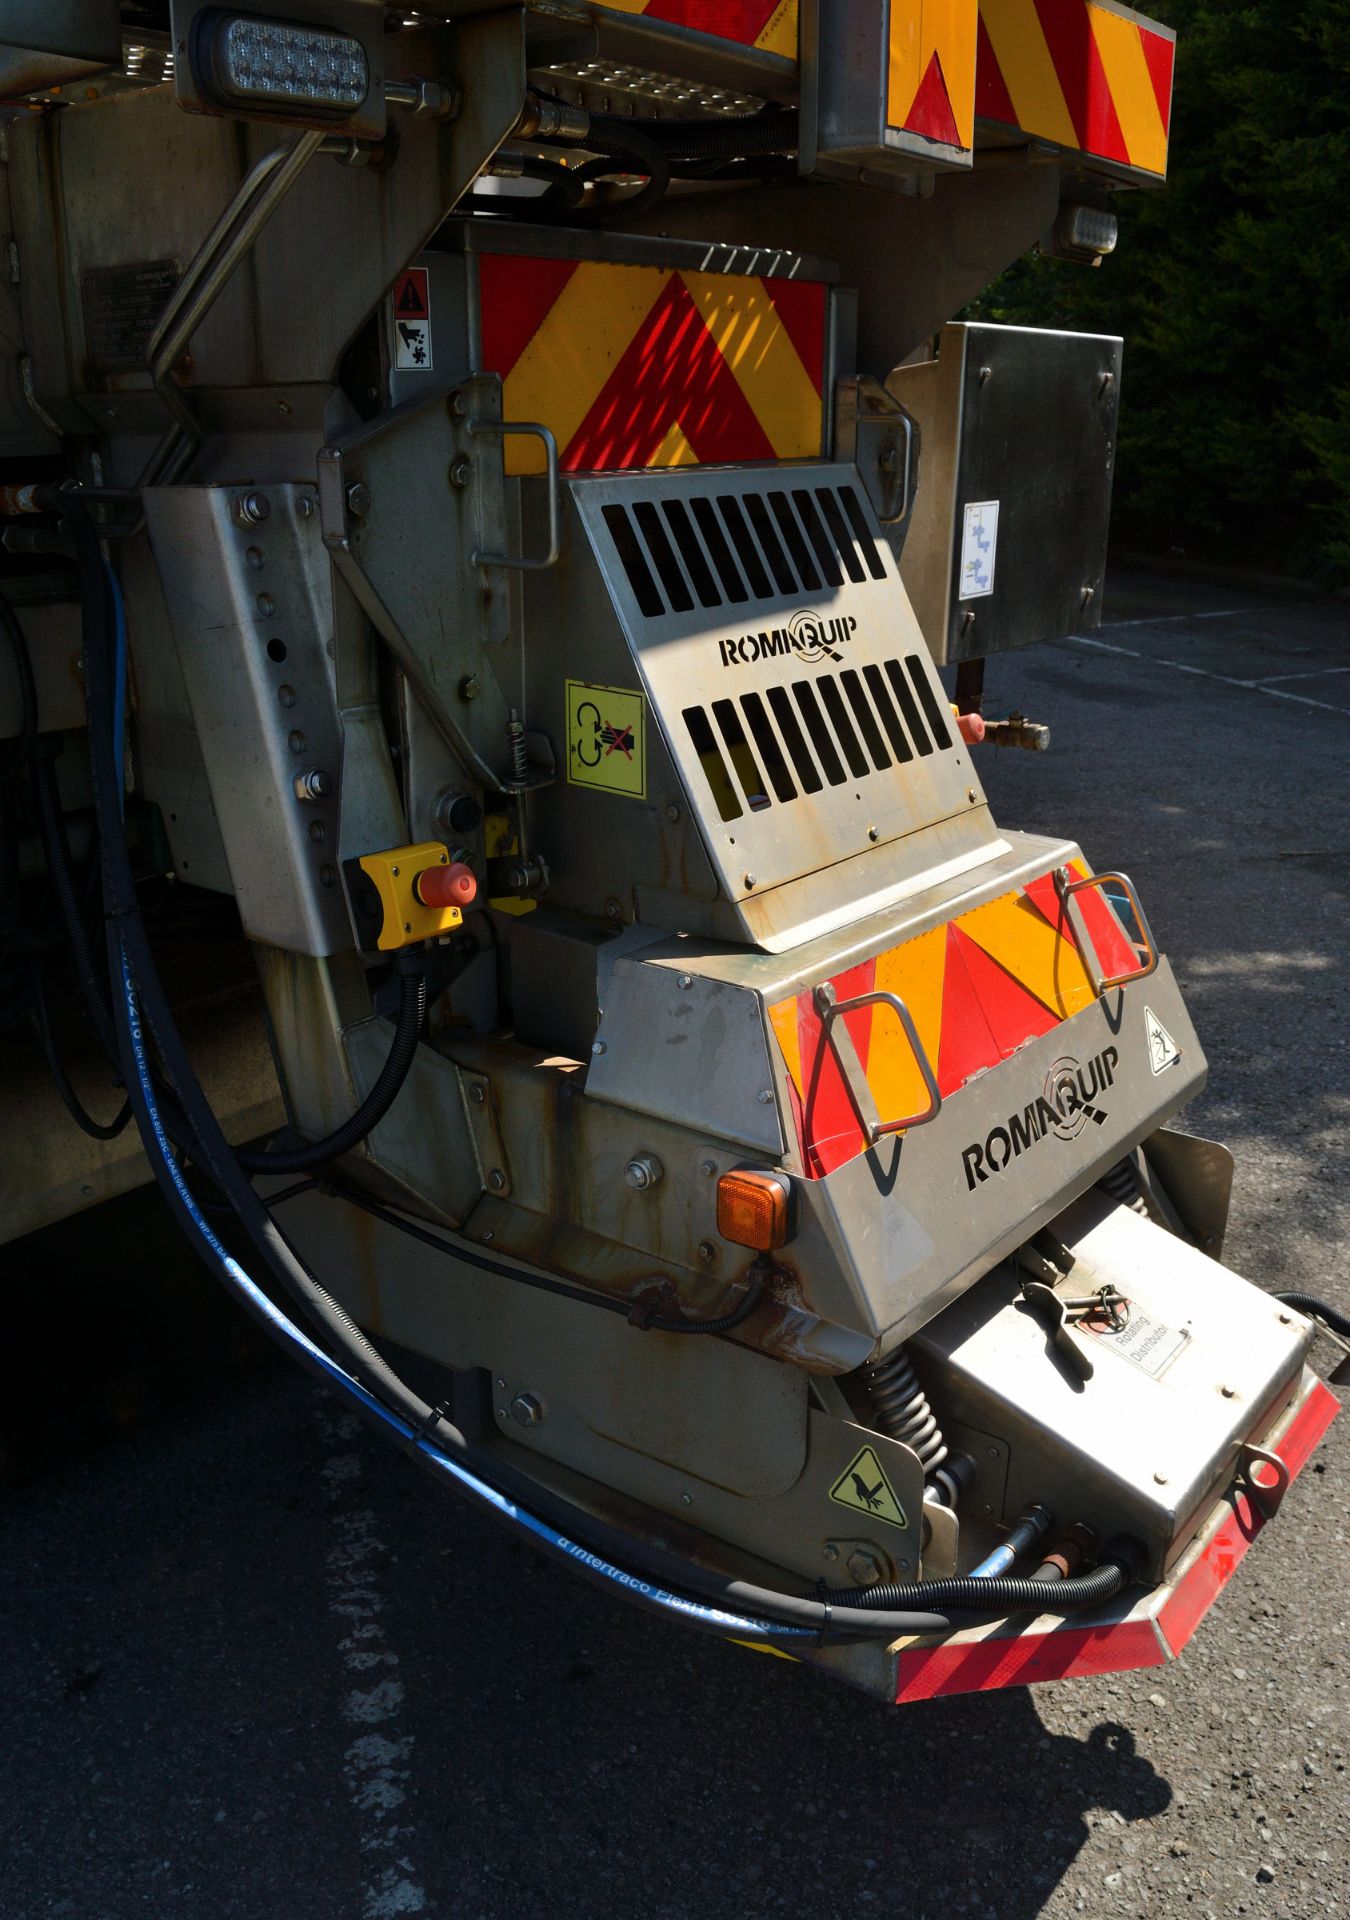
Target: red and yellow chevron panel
[(978, 988), (770, 25), (651, 366), (930, 86), (1084, 74)]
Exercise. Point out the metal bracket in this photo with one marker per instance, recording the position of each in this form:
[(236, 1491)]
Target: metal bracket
[(1266, 1495), (1067, 885), (521, 563), (881, 437), (860, 1093)]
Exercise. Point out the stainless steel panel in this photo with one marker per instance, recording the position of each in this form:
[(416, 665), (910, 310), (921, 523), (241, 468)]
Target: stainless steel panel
[(894, 1234), (1130, 1449), (1024, 418), (695, 1049), (787, 598), (251, 611)]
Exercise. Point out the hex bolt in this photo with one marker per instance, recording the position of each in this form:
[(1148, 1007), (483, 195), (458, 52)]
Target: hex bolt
[(684, 982), (873, 834), (888, 460), (672, 814), (313, 784), (749, 879), (358, 498), (250, 509), (496, 1179), (765, 1096), (986, 375), (686, 1499), (468, 687), (461, 471), (643, 1172), (1160, 1479), (597, 1048), (706, 1250), (478, 1093), (863, 1568), (831, 1552), (527, 1410), (708, 1168)]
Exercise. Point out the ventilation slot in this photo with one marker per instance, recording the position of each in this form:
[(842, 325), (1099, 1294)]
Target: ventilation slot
[(739, 547), (713, 765), (742, 759), (780, 701)]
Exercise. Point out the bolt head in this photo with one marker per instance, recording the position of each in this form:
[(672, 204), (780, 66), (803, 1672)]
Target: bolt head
[(250, 509), (672, 814), (831, 1553), (358, 498), (643, 1171), (749, 879), (461, 471), (527, 1410), (684, 982), (708, 1168), (686, 1499), (496, 1180), (765, 1096), (1160, 1479), (706, 1250), (863, 1568), (597, 1048), (478, 1093), (468, 687)]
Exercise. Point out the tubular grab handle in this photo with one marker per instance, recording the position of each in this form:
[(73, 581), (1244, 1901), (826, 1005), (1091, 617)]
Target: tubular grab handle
[(860, 1093), (522, 562), (1068, 884)]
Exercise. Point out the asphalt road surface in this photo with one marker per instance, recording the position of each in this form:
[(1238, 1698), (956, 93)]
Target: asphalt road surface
[(255, 1665)]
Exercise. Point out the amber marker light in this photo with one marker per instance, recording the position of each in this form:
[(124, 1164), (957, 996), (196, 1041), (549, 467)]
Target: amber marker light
[(752, 1209)]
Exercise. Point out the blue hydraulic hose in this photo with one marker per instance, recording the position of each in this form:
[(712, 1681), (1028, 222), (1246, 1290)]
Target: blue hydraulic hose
[(1032, 1526), (119, 682), (530, 1523)]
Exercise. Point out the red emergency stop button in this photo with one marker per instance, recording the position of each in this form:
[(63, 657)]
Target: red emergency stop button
[(454, 885)]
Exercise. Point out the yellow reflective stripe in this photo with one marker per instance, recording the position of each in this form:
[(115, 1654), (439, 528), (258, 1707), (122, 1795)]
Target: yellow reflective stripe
[(578, 344), (1019, 44), (918, 30), (783, 1020), (674, 450), (758, 348), (779, 33), (915, 972), (1012, 932), (1122, 54)]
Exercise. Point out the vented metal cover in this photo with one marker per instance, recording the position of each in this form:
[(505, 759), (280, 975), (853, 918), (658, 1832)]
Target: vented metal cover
[(784, 665)]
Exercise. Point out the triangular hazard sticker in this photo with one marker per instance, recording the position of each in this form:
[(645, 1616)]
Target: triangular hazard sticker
[(863, 1486), (410, 297), (1162, 1048), (931, 111)]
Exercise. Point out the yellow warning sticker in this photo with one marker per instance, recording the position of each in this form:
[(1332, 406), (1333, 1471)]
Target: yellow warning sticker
[(607, 739), (864, 1487)]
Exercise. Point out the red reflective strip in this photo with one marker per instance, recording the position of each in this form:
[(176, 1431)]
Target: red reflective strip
[(831, 1127), (740, 20), (514, 297), (1200, 1586), (1021, 1660), (800, 305), (671, 373), (1097, 116), (930, 111), (1013, 1015), (1160, 54), (967, 1045), (992, 99)]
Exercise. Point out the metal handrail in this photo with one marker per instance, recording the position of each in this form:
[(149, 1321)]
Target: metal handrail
[(1067, 885), (519, 561), (829, 1009)]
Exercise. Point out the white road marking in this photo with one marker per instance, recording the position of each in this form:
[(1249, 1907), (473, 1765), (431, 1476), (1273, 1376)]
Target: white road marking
[(1309, 673), (376, 1766), (1204, 673), (1173, 619)]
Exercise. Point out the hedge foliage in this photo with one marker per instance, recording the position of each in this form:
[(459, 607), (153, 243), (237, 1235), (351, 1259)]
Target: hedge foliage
[(1232, 289)]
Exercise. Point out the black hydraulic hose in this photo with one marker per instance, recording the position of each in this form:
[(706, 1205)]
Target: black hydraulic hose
[(28, 705), (75, 1107), (1008, 1593), (129, 946), (1316, 1309), (56, 851), (715, 137), (412, 1012)]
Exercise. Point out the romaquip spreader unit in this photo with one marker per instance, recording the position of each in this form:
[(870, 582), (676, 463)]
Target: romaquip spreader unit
[(487, 496)]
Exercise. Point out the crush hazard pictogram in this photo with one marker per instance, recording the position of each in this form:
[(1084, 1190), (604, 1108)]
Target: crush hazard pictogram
[(1162, 1048), (606, 739), (410, 304), (864, 1487)]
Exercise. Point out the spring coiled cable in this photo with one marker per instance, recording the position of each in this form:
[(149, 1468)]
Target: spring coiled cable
[(1123, 1185), (899, 1408)]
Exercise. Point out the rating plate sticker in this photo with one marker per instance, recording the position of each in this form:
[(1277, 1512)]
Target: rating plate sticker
[(607, 739)]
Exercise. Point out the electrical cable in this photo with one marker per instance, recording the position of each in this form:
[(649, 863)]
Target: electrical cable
[(22, 751), (1008, 1593), (1315, 1309), (75, 1107), (140, 1009), (412, 1012)]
